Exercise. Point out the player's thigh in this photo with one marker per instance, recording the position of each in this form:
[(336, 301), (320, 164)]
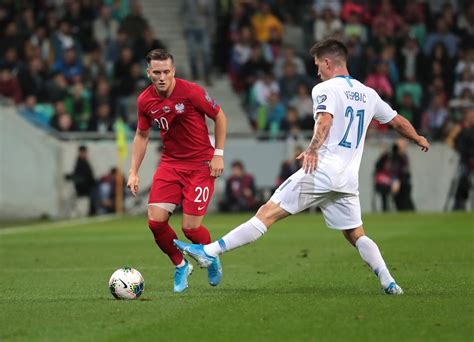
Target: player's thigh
[(197, 192), (300, 191), (165, 189), (342, 212)]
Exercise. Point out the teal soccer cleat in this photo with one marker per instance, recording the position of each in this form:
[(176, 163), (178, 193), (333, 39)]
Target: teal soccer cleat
[(181, 277), (393, 289), (213, 264)]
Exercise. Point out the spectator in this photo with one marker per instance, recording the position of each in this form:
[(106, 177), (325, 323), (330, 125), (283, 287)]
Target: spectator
[(290, 126), (380, 82), (401, 177), (463, 137), (274, 114), (383, 180), (101, 121), (78, 104), (31, 113), (70, 66), (443, 36), (263, 21), (290, 166), (434, 119), (288, 56), (410, 110), (9, 86), (105, 27), (56, 88), (61, 120), (303, 103), (326, 24), (107, 191), (134, 24), (293, 34), (290, 82), (198, 24), (146, 43), (240, 190), (83, 179), (412, 87), (32, 79)]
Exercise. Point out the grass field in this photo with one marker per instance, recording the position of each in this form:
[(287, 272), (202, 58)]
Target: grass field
[(300, 282)]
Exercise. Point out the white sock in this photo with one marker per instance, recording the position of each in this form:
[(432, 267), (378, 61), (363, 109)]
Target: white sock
[(245, 233), (370, 253)]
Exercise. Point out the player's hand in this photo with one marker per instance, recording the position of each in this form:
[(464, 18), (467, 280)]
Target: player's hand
[(216, 166), (310, 161), (132, 183), (423, 143)]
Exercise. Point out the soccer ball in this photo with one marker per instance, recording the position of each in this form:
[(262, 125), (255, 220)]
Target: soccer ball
[(126, 283)]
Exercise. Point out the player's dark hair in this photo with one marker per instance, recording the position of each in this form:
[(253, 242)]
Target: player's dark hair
[(159, 55), (329, 47)]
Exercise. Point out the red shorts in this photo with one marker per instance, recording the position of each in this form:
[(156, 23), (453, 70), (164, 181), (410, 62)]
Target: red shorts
[(193, 188)]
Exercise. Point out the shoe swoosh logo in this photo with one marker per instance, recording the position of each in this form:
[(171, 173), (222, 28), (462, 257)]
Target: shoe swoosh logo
[(124, 285), (201, 208)]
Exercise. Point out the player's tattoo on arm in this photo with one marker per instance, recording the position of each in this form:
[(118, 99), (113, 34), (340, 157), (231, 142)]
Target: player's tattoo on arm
[(321, 131)]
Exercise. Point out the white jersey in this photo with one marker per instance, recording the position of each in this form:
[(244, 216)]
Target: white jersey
[(352, 105)]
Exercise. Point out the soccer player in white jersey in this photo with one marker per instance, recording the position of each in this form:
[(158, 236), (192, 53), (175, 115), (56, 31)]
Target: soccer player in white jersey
[(343, 109)]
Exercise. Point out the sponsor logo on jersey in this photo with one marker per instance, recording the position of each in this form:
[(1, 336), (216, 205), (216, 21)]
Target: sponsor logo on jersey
[(155, 111), (166, 109), (321, 98), (179, 107)]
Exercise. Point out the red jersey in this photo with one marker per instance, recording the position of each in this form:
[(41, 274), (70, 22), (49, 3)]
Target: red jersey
[(181, 121)]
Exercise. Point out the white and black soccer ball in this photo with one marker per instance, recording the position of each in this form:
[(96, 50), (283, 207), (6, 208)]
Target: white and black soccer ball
[(126, 283)]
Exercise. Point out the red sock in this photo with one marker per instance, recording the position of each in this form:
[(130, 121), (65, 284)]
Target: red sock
[(199, 235), (164, 236)]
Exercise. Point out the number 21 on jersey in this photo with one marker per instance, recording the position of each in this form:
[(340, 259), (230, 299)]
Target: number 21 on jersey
[(360, 127)]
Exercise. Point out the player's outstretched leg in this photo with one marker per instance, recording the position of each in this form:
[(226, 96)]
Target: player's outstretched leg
[(181, 276), (370, 253)]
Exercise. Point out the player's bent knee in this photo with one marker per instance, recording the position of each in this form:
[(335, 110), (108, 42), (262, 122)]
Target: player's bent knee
[(157, 213), (270, 212), (352, 235)]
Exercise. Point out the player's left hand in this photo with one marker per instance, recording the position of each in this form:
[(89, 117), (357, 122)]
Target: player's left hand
[(310, 161), (216, 166)]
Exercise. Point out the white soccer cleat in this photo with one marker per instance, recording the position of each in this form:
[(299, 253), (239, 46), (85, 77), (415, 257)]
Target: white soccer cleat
[(393, 289)]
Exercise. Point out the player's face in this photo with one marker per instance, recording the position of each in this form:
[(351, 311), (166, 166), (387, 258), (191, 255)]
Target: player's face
[(322, 67), (161, 73)]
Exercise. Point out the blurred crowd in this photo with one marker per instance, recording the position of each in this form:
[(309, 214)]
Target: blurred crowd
[(418, 55), (78, 65), (74, 65)]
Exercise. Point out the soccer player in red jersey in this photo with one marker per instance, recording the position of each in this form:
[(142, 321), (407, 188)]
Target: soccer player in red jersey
[(189, 163)]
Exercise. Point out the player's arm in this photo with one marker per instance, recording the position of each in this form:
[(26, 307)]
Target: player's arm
[(406, 129), (321, 130), (139, 145), (220, 131)]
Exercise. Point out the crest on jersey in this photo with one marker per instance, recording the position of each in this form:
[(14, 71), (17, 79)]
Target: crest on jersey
[(179, 107), (321, 98), (166, 109)]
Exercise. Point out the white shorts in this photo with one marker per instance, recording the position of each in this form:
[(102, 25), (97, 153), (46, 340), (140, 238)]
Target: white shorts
[(301, 191)]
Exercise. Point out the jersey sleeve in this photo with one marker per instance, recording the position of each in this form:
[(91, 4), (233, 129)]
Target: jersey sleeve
[(323, 100), (203, 102), (143, 122), (383, 113)]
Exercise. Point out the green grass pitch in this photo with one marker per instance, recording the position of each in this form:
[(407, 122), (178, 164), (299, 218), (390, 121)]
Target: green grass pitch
[(300, 282)]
